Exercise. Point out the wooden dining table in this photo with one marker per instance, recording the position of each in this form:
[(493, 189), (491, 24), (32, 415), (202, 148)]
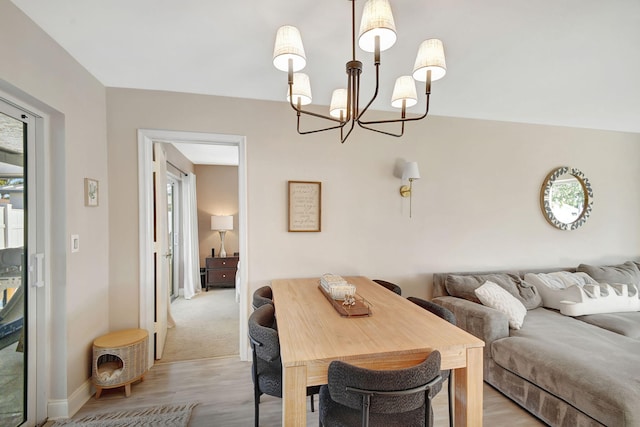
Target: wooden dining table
[(396, 334)]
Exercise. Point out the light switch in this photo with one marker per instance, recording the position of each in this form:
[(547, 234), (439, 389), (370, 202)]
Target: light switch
[(75, 243)]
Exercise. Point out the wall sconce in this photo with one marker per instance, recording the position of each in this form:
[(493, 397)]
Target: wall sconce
[(411, 173), (222, 224)]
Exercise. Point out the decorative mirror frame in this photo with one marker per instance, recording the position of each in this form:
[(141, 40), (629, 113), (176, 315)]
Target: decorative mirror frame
[(545, 196)]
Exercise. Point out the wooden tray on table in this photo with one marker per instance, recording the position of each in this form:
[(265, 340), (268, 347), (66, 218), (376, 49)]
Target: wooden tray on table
[(358, 310)]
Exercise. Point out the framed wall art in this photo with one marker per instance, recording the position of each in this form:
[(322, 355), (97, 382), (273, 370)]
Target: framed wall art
[(90, 192), (305, 206)]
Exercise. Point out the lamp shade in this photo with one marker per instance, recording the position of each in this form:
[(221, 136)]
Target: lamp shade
[(289, 46), (377, 20), (430, 57), (410, 171), (404, 90), (301, 89), (221, 222), (338, 103)]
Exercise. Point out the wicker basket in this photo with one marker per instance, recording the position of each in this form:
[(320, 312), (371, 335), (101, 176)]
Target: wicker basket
[(119, 359)]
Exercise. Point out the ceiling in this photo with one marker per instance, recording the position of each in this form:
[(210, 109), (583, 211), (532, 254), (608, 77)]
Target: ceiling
[(570, 63)]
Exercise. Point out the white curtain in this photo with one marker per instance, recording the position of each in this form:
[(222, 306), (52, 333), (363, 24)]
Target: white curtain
[(190, 249)]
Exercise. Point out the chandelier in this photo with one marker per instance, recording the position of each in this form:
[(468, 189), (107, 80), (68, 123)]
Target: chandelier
[(377, 34)]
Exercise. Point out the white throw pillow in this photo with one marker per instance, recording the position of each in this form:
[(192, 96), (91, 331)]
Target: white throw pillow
[(494, 296)]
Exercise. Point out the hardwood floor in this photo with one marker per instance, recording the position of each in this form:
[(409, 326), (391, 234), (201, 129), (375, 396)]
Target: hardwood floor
[(224, 390)]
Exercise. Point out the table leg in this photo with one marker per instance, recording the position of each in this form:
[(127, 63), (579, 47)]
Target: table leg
[(468, 390), (294, 393)]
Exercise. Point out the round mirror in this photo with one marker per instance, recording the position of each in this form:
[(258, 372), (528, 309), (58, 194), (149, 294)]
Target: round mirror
[(566, 198)]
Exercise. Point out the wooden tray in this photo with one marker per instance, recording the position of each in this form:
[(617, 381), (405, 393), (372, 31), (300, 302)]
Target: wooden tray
[(358, 310)]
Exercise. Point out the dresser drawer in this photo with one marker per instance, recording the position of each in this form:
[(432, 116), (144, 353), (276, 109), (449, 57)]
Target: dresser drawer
[(229, 262), (220, 276)]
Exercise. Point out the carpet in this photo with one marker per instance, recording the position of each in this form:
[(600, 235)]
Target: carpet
[(206, 326), (153, 416)]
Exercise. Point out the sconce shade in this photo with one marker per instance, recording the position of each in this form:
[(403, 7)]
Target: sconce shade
[(289, 46), (430, 57), (410, 171), (377, 20), (222, 222), (301, 89), (404, 89), (338, 103)]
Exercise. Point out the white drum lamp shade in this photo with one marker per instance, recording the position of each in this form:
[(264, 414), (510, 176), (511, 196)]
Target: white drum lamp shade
[(377, 20), (338, 106), (404, 90), (289, 46), (430, 58), (222, 222), (301, 89)]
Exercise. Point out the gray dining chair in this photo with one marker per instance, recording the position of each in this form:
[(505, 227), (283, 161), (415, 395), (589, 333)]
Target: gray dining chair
[(262, 296), (359, 396), (266, 368), (447, 315), (391, 286)]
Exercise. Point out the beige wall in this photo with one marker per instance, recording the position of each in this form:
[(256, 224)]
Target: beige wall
[(36, 70), (217, 194), (475, 208)]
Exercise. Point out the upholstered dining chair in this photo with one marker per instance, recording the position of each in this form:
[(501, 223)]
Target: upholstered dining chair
[(359, 396), (262, 296), (266, 368), (391, 286), (447, 315)]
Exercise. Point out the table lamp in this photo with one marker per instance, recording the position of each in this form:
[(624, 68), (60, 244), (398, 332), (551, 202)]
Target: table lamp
[(222, 224)]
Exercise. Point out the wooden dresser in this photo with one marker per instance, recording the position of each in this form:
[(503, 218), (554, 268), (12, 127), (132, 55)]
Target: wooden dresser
[(221, 272)]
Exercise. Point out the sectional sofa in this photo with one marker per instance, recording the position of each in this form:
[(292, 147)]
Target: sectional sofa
[(581, 370)]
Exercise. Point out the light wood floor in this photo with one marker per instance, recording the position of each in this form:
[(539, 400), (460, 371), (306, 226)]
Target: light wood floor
[(224, 390)]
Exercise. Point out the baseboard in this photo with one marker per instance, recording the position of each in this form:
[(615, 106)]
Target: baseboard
[(66, 408)]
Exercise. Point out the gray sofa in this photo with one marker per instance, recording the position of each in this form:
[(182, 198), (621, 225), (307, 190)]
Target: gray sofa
[(567, 371)]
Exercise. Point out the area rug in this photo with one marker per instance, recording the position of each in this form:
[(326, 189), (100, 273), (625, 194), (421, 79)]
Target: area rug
[(153, 416)]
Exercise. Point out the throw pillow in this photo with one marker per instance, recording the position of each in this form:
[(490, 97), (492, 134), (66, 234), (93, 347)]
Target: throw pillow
[(464, 285), (627, 273), (494, 296)]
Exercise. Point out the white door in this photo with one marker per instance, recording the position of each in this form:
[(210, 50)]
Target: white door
[(162, 254), (19, 404)]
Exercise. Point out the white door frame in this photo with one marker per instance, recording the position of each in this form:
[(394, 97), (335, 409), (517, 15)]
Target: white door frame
[(146, 138)]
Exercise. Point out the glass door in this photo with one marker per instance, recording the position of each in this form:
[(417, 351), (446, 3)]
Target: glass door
[(14, 133)]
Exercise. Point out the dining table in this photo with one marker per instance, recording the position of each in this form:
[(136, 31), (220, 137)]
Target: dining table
[(393, 333)]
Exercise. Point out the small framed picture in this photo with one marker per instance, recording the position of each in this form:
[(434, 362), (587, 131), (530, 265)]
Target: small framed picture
[(90, 192), (305, 206)]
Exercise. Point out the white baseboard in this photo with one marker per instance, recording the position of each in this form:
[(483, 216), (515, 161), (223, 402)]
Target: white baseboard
[(66, 408)]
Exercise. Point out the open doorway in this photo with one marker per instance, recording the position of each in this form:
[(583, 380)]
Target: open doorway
[(205, 322), (146, 140)]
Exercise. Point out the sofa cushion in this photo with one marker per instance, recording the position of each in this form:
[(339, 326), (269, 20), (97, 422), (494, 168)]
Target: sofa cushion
[(463, 286), (627, 324), (623, 273), (592, 369), (497, 298)]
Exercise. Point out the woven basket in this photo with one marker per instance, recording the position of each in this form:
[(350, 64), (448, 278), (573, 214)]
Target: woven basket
[(117, 366)]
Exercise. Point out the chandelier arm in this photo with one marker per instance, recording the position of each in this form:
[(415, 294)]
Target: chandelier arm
[(375, 95), (404, 119), (342, 140), (397, 135)]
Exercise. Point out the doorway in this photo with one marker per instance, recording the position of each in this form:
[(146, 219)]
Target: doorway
[(146, 139)]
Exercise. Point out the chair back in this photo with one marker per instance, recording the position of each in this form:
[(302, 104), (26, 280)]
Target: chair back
[(434, 308), (391, 286), (262, 296), (264, 339), (387, 391)]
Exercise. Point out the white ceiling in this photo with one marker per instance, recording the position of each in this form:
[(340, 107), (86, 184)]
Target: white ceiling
[(571, 62)]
